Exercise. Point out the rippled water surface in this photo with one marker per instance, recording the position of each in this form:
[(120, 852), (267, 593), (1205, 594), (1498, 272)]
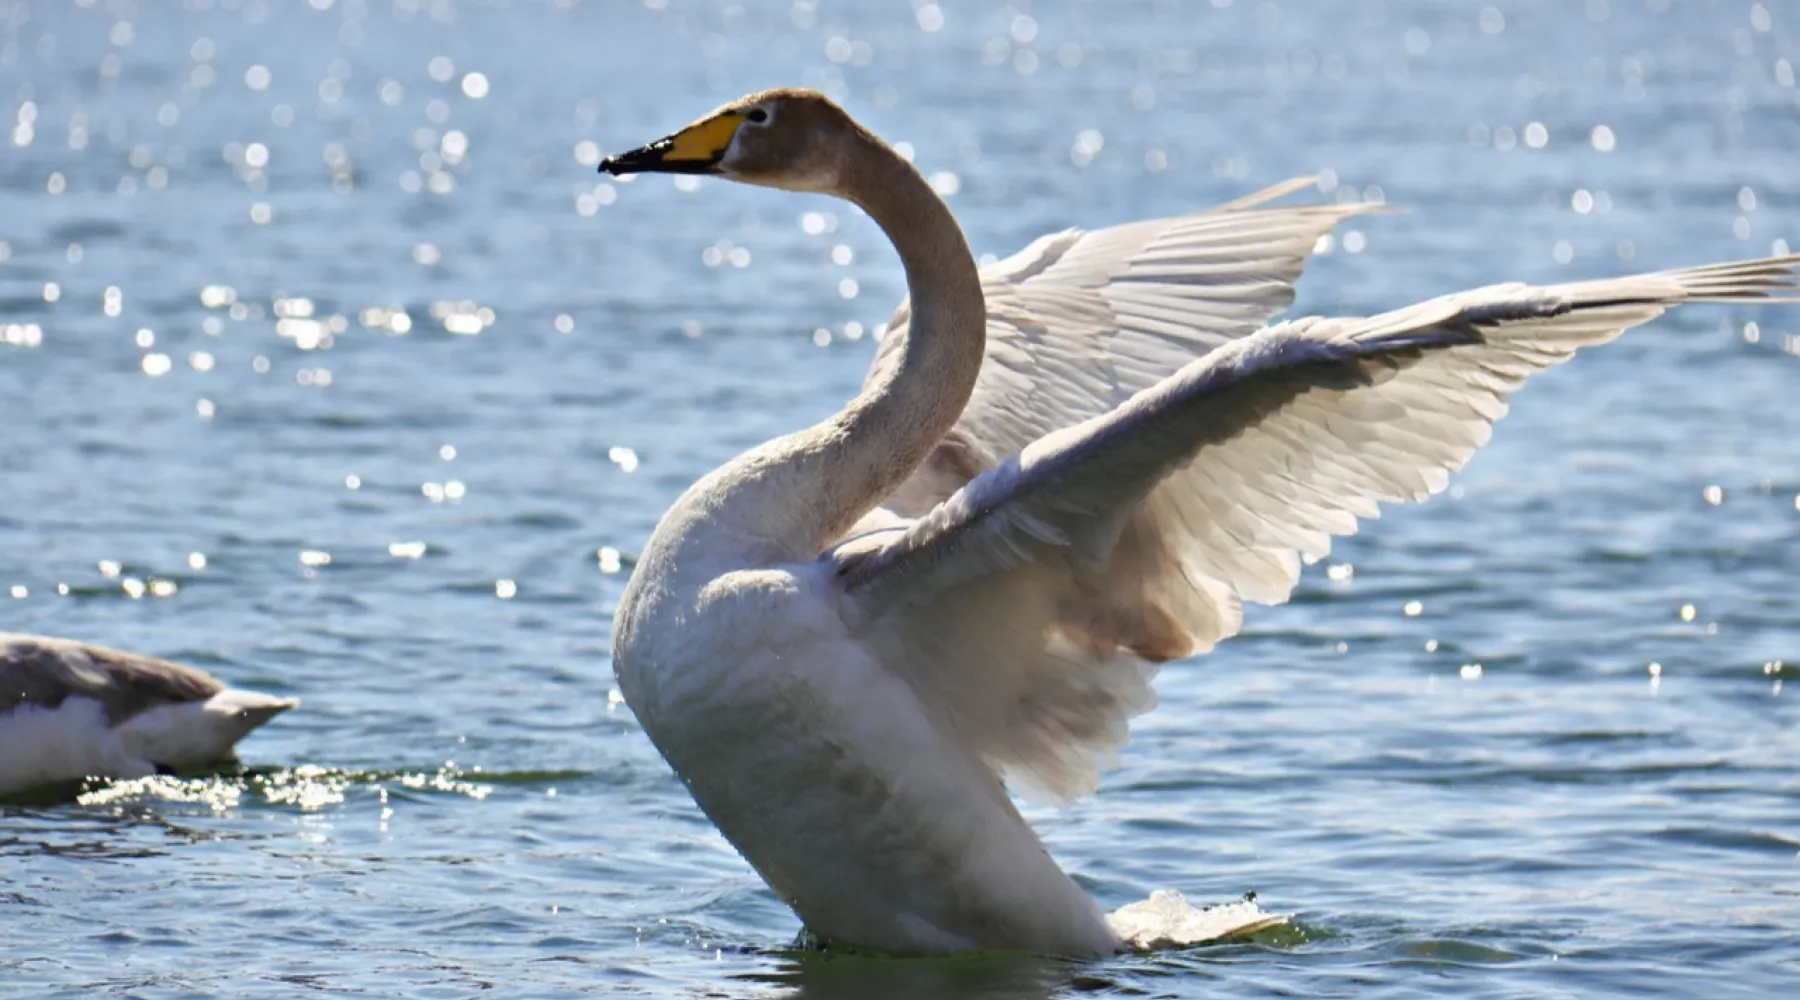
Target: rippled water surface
[(329, 364)]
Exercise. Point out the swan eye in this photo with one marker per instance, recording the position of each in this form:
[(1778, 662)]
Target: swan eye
[(757, 115)]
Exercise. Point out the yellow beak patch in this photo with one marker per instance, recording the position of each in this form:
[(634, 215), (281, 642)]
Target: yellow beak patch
[(704, 141)]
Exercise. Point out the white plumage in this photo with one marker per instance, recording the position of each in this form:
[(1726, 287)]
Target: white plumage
[(1206, 488), (1063, 470)]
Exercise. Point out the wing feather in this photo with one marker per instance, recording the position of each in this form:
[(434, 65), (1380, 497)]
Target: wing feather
[(1051, 584), (1078, 322)]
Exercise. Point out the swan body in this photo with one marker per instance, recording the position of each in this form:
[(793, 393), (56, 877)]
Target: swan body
[(854, 642), (70, 710), (891, 834)]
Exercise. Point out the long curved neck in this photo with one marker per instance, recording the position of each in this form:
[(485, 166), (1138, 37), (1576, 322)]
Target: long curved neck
[(918, 392), (834, 472)]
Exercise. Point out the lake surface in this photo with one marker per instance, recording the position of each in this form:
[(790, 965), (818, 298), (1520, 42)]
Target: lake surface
[(330, 365)]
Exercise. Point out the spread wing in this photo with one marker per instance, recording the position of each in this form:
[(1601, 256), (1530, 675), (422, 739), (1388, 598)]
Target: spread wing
[(997, 604), (1080, 321)]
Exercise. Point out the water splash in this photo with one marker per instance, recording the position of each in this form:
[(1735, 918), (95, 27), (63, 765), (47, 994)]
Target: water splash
[(1168, 920), (310, 788)]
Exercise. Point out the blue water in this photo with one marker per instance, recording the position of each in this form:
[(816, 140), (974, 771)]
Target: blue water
[(242, 458)]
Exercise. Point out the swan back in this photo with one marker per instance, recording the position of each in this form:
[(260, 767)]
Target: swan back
[(72, 710)]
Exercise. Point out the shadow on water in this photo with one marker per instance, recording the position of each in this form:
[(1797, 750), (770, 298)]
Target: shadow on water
[(834, 974), (814, 971)]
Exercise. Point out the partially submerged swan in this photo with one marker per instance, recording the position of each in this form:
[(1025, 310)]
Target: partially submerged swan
[(1063, 470), (70, 710)]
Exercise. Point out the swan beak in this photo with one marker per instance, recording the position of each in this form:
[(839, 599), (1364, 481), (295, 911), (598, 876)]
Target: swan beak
[(697, 149)]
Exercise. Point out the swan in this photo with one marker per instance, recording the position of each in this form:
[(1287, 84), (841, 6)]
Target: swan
[(854, 642), (70, 710)]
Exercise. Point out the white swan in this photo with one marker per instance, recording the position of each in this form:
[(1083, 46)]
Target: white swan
[(851, 641), (70, 710)]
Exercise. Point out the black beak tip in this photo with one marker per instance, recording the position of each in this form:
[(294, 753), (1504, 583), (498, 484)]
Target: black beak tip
[(644, 159), (651, 160)]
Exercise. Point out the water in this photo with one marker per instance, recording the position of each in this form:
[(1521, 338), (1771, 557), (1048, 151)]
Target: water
[(239, 459)]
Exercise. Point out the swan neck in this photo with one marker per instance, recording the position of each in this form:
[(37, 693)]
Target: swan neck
[(919, 387), (793, 497)]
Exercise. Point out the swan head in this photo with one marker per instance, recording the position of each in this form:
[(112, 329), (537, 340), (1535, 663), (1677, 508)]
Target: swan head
[(790, 138)]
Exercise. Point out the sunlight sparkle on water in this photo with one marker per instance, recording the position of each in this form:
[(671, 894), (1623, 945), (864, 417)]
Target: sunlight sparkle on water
[(349, 233), (217, 795)]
